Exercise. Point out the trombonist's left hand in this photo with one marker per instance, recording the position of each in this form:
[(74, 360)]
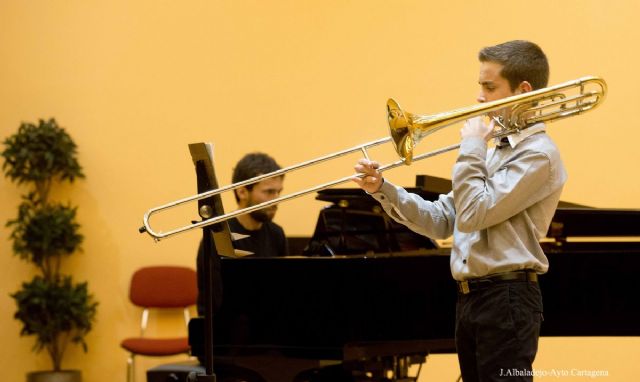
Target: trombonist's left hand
[(475, 127), (372, 179)]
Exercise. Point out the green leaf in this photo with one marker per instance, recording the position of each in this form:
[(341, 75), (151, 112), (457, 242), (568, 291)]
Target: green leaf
[(50, 308), (41, 152)]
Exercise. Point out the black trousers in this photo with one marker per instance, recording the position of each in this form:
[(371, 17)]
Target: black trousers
[(497, 330)]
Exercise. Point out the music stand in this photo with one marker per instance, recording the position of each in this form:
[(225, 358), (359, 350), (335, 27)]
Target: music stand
[(216, 241)]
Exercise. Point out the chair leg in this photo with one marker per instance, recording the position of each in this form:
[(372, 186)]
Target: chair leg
[(131, 368)]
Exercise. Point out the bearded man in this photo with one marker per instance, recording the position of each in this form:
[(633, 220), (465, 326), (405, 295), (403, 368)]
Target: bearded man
[(265, 238)]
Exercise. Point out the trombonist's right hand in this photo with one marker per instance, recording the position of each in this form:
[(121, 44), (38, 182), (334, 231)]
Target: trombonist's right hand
[(372, 179)]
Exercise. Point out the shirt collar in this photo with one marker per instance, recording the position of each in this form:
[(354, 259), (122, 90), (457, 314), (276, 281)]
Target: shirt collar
[(515, 139)]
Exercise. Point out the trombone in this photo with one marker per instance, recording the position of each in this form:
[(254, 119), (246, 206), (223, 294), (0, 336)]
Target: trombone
[(407, 130)]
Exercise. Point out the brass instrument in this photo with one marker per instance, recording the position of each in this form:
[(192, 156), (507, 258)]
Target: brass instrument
[(543, 105), (406, 130)]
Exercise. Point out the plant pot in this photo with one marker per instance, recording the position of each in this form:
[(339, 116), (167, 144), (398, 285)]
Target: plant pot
[(55, 376)]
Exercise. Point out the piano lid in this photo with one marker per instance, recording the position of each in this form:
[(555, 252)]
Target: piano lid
[(570, 219), (594, 222)]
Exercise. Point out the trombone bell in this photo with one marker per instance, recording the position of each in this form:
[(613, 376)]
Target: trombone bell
[(399, 130)]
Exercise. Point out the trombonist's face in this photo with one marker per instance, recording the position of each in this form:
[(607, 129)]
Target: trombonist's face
[(492, 85)]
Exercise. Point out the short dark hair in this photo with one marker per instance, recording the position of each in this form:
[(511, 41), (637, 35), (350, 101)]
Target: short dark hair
[(521, 60), (252, 165)]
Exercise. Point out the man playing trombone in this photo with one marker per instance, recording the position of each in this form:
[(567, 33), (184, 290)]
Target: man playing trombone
[(502, 203)]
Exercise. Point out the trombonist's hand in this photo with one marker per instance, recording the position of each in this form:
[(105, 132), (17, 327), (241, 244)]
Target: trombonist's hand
[(475, 127), (372, 179)]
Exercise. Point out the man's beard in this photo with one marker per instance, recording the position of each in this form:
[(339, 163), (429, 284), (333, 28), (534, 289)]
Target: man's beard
[(264, 215)]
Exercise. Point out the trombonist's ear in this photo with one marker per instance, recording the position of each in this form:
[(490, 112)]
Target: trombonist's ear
[(524, 87)]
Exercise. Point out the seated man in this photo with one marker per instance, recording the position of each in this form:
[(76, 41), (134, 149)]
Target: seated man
[(264, 237)]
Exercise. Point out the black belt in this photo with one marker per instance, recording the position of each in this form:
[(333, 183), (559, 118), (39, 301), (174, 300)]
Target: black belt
[(468, 286)]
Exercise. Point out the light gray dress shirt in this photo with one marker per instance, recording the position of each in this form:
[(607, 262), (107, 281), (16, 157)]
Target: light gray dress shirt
[(502, 203)]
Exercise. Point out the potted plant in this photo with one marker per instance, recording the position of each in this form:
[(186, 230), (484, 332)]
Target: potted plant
[(52, 307)]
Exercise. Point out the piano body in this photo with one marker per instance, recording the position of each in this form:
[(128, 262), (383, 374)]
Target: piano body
[(371, 298)]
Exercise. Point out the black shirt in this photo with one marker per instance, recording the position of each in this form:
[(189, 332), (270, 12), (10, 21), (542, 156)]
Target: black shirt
[(268, 241)]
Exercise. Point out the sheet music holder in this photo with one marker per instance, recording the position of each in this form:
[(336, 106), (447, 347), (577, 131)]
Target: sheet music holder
[(216, 240)]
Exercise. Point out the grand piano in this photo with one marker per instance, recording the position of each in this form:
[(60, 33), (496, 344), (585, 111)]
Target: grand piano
[(366, 298)]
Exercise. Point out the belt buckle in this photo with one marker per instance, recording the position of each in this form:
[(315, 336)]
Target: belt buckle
[(464, 287)]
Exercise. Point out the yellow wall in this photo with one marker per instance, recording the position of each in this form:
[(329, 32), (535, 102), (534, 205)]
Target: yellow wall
[(134, 82)]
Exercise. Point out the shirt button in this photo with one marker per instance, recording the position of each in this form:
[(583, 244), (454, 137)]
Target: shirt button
[(464, 261)]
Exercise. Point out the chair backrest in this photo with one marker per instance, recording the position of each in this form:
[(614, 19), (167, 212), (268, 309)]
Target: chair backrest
[(164, 287)]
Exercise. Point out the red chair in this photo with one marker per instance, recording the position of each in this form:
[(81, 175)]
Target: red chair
[(160, 287)]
